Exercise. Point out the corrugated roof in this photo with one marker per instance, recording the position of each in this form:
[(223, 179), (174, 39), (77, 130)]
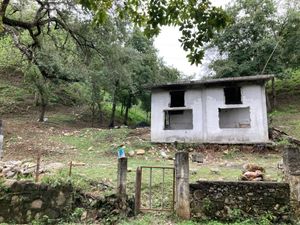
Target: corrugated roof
[(212, 82)]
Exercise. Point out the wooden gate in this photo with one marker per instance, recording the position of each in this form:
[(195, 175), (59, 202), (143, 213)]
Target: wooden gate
[(154, 189)]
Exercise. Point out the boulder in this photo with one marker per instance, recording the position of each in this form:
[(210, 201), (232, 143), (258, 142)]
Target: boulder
[(140, 152), (131, 153)]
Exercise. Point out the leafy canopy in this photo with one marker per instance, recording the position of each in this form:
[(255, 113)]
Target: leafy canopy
[(197, 20), (258, 40)]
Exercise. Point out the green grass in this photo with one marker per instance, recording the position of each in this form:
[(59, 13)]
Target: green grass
[(287, 118), (61, 118), (97, 148), (163, 218), (286, 115)]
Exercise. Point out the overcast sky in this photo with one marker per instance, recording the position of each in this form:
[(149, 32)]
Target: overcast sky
[(172, 53)]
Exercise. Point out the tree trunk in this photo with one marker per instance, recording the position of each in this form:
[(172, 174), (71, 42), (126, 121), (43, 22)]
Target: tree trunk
[(113, 111), (100, 113), (40, 85), (93, 113), (122, 108), (43, 107), (128, 106), (36, 99)]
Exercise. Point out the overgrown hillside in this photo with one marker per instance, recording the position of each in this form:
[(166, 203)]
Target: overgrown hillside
[(17, 98), (286, 115)]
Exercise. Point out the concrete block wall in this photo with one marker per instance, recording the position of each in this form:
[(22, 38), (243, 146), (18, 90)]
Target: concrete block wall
[(205, 104)]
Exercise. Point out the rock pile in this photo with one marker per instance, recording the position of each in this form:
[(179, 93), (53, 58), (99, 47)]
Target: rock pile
[(252, 172), (14, 168)]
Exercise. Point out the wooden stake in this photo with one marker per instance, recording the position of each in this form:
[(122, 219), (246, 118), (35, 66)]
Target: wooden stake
[(70, 169), (38, 161)]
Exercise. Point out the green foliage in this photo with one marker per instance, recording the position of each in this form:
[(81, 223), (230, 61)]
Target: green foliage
[(12, 97), (76, 215), (10, 57), (197, 20), (258, 40), (62, 178), (288, 85), (80, 63), (208, 206)]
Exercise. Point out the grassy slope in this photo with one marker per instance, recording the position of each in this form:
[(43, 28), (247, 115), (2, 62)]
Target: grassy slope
[(287, 113)]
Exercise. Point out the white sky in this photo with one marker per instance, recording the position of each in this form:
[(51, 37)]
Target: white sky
[(172, 53)]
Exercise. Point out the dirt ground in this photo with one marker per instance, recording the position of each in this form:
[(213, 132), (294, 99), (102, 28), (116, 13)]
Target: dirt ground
[(63, 138)]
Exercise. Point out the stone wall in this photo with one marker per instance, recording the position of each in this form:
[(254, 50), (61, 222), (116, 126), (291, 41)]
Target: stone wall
[(22, 202), (229, 200), (291, 169)]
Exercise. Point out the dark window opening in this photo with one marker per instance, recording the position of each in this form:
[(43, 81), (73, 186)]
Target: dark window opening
[(232, 95), (234, 118), (177, 99), (179, 119)]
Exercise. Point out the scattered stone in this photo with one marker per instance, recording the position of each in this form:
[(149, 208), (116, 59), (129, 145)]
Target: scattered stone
[(197, 157), (129, 169), (163, 154), (131, 153), (10, 174), (140, 152), (253, 173)]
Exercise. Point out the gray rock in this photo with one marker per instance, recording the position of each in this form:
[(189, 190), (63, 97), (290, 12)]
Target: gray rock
[(37, 204), (197, 157), (10, 174), (131, 153), (61, 199)]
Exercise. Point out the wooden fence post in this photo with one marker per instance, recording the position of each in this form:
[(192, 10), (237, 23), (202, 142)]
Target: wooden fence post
[(38, 162), (138, 183), (122, 175), (70, 168), (182, 186), (1, 140)]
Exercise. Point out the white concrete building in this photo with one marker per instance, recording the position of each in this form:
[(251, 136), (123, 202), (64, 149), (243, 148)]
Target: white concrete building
[(228, 110)]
